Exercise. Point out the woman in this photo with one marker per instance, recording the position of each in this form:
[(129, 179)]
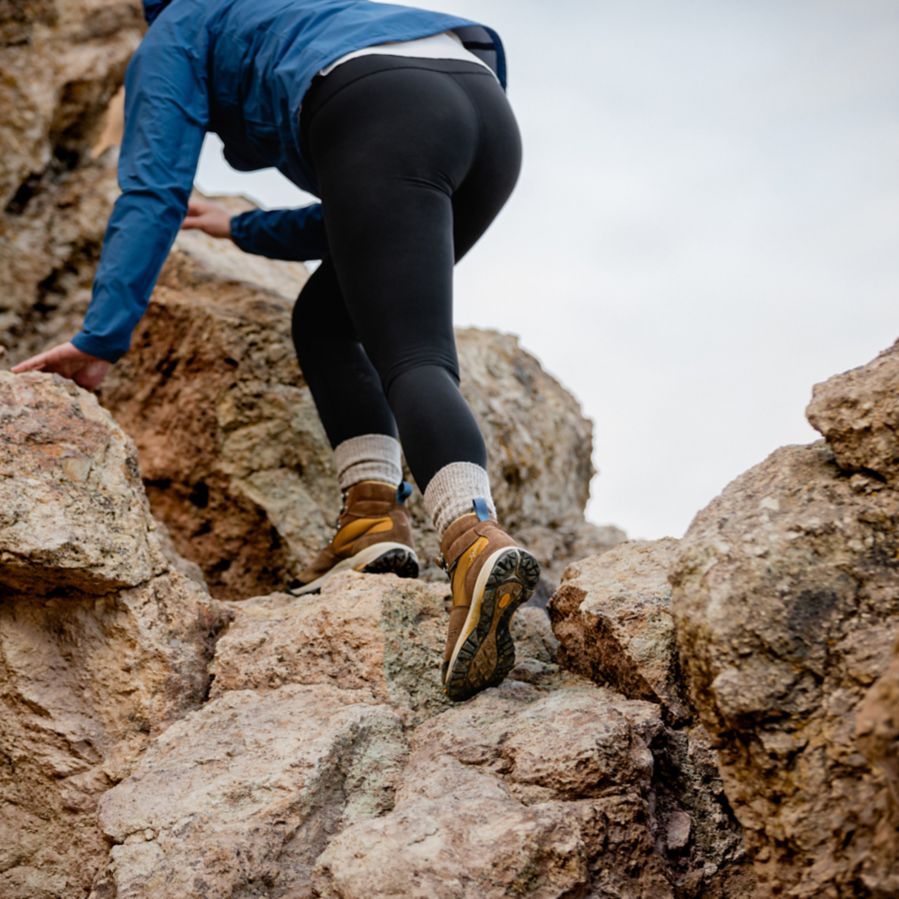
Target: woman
[(396, 118)]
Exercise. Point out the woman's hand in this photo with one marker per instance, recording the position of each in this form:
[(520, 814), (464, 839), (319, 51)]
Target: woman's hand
[(67, 360), (215, 220)]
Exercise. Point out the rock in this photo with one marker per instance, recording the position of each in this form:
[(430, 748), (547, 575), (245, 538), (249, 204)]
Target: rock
[(786, 600), (514, 793), (877, 727), (858, 413), (613, 620), (546, 785), (102, 642), (379, 634), (85, 683), (62, 60), (556, 547), (73, 513), (243, 794), (234, 457)]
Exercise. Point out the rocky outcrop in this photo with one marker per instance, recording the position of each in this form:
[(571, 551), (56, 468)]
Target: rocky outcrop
[(612, 616), (522, 792), (328, 762), (155, 741), (786, 598), (63, 60), (241, 796), (858, 414), (103, 642), (276, 746)]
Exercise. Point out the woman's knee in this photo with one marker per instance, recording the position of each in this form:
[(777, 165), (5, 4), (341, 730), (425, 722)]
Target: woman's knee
[(418, 369)]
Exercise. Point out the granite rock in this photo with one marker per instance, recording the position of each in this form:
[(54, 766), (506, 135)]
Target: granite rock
[(858, 413), (786, 600)]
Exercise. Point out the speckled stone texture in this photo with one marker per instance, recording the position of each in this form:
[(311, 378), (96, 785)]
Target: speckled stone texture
[(858, 413), (612, 617), (62, 62), (786, 599), (103, 642)]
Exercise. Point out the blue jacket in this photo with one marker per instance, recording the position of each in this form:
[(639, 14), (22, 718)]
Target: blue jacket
[(239, 68)]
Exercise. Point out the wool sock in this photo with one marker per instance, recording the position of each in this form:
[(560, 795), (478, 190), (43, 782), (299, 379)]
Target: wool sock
[(369, 457), (451, 491)]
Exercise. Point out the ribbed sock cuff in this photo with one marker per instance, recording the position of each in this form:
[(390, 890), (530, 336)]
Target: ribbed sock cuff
[(370, 457), (450, 493)]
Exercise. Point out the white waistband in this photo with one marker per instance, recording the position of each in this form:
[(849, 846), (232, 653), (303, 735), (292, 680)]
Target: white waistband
[(437, 46)]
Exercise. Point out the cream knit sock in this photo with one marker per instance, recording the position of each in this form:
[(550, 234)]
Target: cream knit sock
[(450, 493), (370, 457)]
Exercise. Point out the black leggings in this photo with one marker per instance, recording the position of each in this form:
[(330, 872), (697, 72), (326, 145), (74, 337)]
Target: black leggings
[(414, 159)]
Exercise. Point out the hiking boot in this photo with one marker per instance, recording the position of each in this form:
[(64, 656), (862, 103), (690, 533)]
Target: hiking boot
[(490, 576), (373, 535)]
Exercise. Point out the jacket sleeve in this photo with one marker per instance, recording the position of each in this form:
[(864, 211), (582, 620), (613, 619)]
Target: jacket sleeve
[(166, 113), (296, 234)]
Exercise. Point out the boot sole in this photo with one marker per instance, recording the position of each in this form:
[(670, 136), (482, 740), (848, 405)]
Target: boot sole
[(485, 652), (382, 558)]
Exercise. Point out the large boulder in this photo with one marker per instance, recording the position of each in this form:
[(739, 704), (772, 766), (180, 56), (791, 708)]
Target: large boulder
[(612, 617), (246, 792), (328, 762), (518, 793), (786, 598), (103, 642), (73, 513)]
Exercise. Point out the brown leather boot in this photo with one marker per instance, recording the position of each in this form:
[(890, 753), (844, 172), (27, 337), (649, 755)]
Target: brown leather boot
[(373, 534), (491, 576)]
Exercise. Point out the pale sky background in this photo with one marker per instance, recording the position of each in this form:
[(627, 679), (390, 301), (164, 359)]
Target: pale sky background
[(706, 224)]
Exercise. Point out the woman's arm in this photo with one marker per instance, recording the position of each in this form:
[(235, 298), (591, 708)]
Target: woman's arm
[(165, 123), (293, 234), (166, 113)]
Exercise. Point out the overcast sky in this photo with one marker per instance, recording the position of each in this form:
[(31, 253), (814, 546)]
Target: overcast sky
[(706, 225)]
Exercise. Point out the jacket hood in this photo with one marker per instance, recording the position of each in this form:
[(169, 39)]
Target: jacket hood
[(152, 8)]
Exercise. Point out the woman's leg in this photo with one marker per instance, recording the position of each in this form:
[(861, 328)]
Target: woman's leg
[(344, 384), (373, 531), (413, 161)]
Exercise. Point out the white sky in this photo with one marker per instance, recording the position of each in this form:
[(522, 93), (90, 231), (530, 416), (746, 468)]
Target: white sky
[(706, 224)]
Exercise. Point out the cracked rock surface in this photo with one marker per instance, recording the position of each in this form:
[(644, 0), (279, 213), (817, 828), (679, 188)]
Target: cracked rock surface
[(786, 599), (158, 742), (103, 642), (715, 717)]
